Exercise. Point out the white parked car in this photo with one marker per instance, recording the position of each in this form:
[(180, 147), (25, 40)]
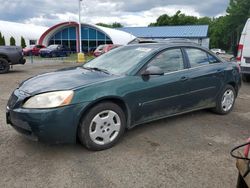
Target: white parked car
[(243, 57), (218, 51)]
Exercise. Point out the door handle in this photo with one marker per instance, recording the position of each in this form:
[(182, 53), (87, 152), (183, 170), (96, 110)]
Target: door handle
[(184, 78), (219, 70)]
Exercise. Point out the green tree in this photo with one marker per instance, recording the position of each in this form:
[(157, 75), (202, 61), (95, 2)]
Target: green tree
[(4, 41), (217, 30), (238, 12), (1, 39), (180, 19), (23, 43), (117, 25), (162, 20), (12, 41), (113, 25)]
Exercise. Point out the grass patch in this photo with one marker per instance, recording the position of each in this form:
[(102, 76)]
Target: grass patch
[(72, 58)]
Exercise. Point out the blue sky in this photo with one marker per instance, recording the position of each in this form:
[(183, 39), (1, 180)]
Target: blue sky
[(129, 12)]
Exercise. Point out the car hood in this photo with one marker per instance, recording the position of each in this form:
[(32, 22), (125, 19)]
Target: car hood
[(64, 79), (46, 50), (27, 49)]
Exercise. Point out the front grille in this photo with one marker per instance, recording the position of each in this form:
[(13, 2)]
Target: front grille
[(245, 69), (247, 59), (12, 101)]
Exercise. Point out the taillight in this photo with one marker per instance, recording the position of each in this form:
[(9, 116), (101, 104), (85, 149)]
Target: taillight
[(246, 149), (238, 66), (239, 55)]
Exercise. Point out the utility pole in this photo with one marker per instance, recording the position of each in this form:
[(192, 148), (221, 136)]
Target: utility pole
[(80, 28), (80, 56)]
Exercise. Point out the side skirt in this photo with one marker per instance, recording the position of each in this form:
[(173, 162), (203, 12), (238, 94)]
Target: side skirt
[(171, 115)]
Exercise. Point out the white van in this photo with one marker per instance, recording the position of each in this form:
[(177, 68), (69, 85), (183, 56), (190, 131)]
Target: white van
[(243, 56)]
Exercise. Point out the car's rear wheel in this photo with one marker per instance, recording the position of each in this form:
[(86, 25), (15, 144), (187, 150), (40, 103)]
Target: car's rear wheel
[(246, 77), (4, 66), (225, 101), (53, 55), (102, 126)]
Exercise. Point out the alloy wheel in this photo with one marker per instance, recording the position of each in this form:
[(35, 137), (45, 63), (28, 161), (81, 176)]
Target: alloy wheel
[(227, 100), (105, 127)]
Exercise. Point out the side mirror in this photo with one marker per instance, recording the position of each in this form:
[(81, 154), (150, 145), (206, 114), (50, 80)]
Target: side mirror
[(152, 70)]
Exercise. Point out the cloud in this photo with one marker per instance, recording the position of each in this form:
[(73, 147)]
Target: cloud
[(129, 12)]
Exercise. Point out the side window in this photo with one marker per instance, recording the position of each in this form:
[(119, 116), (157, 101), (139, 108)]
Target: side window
[(169, 60), (212, 59), (197, 57)]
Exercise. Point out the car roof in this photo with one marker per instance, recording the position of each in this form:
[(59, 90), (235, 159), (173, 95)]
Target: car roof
[(167, 44)]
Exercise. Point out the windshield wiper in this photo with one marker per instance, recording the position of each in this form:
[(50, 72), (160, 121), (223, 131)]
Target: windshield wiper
[(97, 69)]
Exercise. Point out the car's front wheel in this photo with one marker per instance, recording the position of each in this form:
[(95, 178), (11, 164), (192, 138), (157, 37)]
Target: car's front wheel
[(102, 126), (4, 66), (225, 101)]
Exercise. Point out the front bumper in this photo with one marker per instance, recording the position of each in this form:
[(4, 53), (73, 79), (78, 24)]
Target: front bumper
[(45, 54), (22, 61), (245, 70), (57, 125)]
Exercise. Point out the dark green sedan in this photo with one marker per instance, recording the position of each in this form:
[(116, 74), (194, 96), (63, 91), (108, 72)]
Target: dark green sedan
[(128, 86)]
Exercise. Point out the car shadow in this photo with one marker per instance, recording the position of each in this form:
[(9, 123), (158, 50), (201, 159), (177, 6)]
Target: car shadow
[(169, 121), (16, 71)]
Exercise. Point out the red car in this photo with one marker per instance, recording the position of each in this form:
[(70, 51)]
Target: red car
[(32, 50), (104, 49)]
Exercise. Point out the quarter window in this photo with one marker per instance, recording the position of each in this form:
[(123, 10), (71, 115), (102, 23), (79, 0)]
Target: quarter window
[(169, 61)]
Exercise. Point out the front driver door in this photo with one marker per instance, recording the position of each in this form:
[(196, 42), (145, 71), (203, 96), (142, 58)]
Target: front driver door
[(163, 95)]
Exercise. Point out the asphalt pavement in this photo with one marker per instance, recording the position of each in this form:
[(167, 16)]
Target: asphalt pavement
[(190, 150)]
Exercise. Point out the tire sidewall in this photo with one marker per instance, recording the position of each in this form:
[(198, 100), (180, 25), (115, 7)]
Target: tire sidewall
[(245, 77), (6, 64), (219, 108), (83, 130)]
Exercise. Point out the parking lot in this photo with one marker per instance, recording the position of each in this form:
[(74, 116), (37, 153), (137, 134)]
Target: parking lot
[(190, 150)]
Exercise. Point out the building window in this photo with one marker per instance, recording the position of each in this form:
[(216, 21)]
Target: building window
[(91, 38)]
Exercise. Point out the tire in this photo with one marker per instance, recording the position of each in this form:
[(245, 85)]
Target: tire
[(53, 55), (225, 108), (245, 78), (241, 182), (4, 66), (110, 130)]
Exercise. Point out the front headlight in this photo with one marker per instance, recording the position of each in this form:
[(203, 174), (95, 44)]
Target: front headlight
[(49, 100)]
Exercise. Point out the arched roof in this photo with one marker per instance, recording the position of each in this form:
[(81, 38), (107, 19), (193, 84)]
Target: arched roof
[(18, 30), (117, 37)]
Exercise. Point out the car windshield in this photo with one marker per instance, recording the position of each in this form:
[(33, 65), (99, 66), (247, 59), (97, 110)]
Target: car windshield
[(31, 46), (120, 60), (99, 48), (52, 46)]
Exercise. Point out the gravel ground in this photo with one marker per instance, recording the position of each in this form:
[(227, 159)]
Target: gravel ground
[(190, 150)]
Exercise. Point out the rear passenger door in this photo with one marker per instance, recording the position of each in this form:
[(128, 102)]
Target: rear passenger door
[(206, 74)]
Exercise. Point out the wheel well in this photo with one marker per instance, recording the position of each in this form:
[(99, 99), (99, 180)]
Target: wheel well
[(4, 57), (234, 86), (116, 101)]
